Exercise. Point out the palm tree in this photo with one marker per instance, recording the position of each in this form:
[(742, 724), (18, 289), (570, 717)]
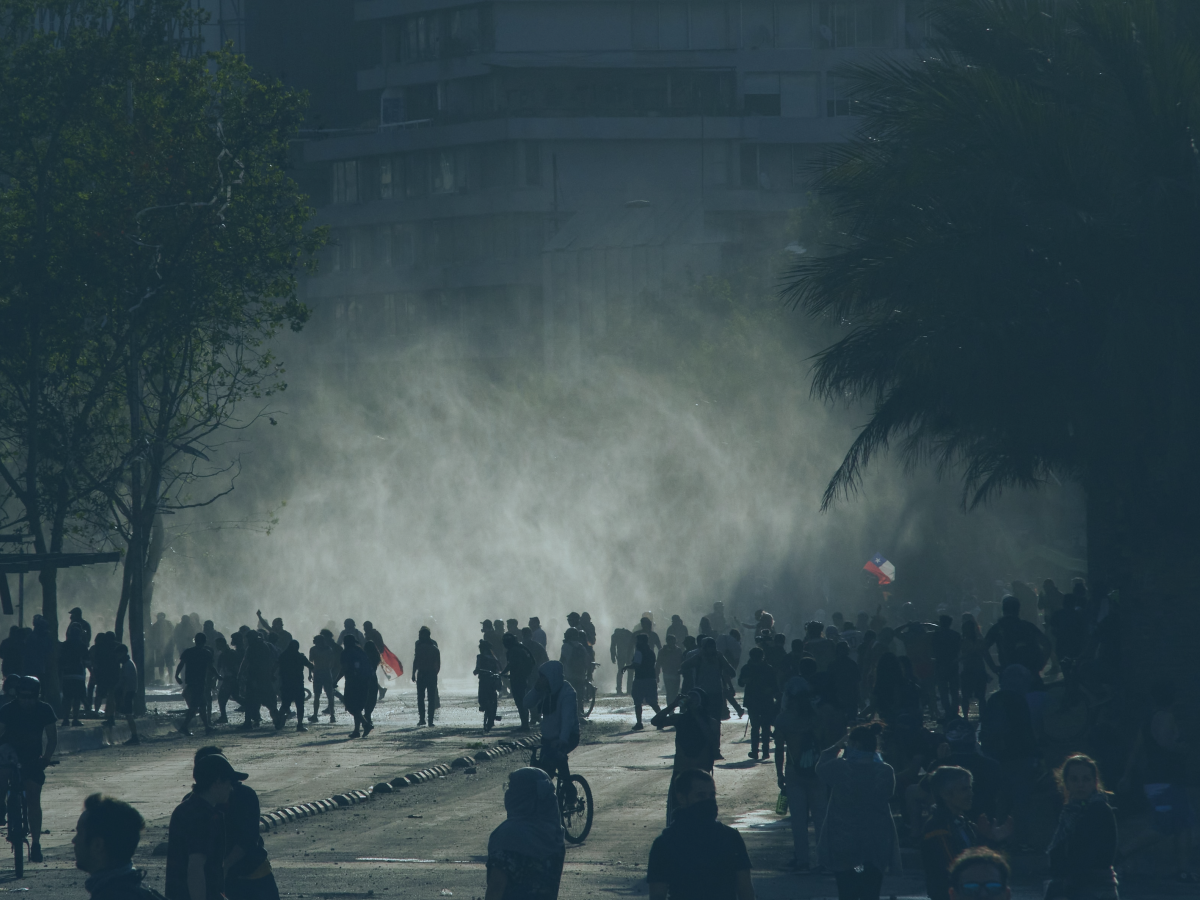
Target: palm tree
[(1017, 274)]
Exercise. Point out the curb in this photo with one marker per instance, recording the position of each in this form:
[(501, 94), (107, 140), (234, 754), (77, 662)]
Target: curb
[(287, 814)]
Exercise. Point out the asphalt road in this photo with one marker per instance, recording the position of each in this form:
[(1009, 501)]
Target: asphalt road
[(430, 840)]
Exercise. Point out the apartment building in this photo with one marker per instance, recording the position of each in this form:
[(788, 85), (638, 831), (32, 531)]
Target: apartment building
[(522, 174)]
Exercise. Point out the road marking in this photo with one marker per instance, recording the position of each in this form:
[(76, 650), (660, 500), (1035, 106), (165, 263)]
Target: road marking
[(389, 859)]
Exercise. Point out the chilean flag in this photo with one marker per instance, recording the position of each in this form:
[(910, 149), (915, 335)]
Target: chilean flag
[(390, 662), (878, 566)]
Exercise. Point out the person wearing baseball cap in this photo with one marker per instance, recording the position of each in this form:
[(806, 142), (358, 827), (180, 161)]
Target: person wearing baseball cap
[(249, 875), (196, 835)]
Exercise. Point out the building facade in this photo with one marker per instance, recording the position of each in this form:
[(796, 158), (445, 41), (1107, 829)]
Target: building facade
[(521, 174)]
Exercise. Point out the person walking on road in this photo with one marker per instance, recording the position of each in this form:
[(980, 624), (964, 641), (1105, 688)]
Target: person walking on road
[(248, 874), (670, 658), (360, 684), (518, 669), (487, 669), (292, 664), (644, 687), (761, 700), (324, 656), (858, 840), (621, 647), (257, 679), (106, 835), (696, 857), (427, 663), (196, 666), (695, 744), (526, 851), (196, 834)]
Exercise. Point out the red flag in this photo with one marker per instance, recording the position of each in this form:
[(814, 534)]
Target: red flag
[(390, 662)]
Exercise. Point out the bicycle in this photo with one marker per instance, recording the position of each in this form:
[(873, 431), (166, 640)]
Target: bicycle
[(574, 802), (16, 806), (587, 692)]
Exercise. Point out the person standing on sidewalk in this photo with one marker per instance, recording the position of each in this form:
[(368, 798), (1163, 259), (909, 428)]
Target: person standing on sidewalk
[(196, 835), (125, 694), (106, 836), (487, 669), (196, 665), (427, 663), (72, 673), (696, 857)]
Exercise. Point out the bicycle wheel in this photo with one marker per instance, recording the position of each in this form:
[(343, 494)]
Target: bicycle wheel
[(16, 832), (576, 811), (589, 700)]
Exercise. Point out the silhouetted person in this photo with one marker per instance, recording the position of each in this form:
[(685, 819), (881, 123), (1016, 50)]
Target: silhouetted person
[(196, 667), (360, 686), (696, 856), (760, 700), (946, 647), (292, 664), (620, 652), (325, 657), (670, 658), (487, 670), (1017, 642), (427, 663), (519, 669), (196, 841), (644, 688)]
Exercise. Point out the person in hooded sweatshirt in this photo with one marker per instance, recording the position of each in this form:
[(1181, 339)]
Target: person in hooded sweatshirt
[(560, 721), (696, 857), (526, 851)]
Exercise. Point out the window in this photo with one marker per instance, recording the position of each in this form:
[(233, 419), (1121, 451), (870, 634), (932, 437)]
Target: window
[(716, 163), (794, 24), (749, 165), (708, 29), (441, 172), (799, 98), (421, 102), (761, 94), (856, 23), (838, 100), (385, 178), (443, 33), (391, 107), (345, 181), (533, 163), (916, 23), (758, 24)]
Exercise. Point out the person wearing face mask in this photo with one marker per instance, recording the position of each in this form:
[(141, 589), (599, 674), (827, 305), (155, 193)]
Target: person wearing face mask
[(696, 857), (1084, 845), (526, 851), (858, 840)]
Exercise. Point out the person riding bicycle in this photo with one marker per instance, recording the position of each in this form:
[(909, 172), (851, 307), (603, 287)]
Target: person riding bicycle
[(23, 725), (560, 720)]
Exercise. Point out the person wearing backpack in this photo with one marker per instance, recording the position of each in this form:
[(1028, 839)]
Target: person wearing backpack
[(796, 752)]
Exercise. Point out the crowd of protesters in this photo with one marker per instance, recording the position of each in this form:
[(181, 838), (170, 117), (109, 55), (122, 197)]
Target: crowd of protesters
[(985, 732)]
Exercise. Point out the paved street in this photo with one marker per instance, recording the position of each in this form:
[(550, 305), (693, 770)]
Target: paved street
[(426, 840)]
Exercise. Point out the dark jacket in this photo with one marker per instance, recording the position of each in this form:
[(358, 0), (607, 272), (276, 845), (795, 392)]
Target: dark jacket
[(1084, 845), (427, 658), (944, 837), (760, 683), (122, 883)]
